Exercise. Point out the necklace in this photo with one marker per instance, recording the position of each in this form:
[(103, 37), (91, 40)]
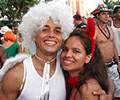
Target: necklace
[(104, 32), (39, 58)]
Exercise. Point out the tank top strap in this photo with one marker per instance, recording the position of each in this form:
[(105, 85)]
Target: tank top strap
[(25, 63)]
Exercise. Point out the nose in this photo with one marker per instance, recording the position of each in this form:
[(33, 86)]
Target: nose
[(107, 16), (51, 34), (68, 53)]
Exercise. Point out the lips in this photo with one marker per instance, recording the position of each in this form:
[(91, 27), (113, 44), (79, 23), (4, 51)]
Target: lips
[(67, 61), (50, 42)]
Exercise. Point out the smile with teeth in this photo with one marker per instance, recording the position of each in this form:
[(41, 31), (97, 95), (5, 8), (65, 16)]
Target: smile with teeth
[(50, 42)]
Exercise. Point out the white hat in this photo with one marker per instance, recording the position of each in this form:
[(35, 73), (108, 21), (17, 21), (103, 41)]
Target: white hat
[(5, 29)]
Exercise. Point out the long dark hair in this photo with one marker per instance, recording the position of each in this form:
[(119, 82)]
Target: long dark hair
[(94, 69)]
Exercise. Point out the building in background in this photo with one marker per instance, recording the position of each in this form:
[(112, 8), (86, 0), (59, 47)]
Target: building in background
[(83, 7)]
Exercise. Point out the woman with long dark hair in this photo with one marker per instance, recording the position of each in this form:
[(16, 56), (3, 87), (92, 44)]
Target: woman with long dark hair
[(83, 66)]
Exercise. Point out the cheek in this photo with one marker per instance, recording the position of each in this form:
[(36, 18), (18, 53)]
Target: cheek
[(80, 60), (60, 41)]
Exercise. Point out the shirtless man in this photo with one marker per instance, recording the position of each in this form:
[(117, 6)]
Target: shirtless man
[(105, 40)]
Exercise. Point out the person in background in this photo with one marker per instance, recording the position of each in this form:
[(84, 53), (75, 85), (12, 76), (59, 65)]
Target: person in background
[(2, 32), (15, 28), (10, 44), (78, 22), (116, 27), (84, 68), (104, 38), (2, 56), (20, 42), (1, 36)]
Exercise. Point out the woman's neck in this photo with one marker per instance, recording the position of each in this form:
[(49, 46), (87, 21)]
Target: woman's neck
[(116, 22), (45, 58), (74, 74)]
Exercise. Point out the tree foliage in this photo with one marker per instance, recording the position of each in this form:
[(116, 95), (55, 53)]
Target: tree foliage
[(14, 9), (111, 3)]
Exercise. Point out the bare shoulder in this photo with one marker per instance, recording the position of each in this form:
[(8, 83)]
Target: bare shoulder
[(88, 88), (12, 80), (14, 74)]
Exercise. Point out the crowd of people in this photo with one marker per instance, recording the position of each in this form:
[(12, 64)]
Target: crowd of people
[(55, 55)]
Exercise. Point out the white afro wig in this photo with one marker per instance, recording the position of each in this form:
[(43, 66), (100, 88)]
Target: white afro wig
[(37, 17)]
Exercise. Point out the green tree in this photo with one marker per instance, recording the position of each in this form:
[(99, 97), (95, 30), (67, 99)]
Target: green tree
[(111, 3), (15, 9)]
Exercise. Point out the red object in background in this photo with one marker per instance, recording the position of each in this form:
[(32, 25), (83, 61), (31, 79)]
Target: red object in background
[(91, 32)]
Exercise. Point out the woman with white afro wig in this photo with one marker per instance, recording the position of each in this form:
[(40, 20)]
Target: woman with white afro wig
[(39, 77), (37, 16)]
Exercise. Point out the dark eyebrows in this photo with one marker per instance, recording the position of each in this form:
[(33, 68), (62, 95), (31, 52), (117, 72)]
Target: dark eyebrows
[(76, 49), (47, 26), (58, 28)]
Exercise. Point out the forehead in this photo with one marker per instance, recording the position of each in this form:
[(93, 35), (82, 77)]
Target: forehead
[(73, 41), (52, 23)]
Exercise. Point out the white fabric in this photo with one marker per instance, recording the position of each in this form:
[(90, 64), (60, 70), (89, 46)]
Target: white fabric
[(117, 37), (46, 72), (114, 75), (33, 84), (10, 63)]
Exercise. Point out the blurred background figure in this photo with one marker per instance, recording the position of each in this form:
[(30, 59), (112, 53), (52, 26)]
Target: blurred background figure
[(116, 27), (79, 22), (10, 44), (1, 35), (15, 28), (2, 32), (2, 56)]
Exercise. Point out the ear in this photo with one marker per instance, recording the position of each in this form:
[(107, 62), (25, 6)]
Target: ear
[(88, 58)]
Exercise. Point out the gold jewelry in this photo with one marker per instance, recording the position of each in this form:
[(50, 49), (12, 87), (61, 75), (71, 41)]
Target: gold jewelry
[(39, 58)]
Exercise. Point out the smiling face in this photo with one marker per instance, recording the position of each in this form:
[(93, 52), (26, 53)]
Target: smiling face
[(49, 39), (73, 56)]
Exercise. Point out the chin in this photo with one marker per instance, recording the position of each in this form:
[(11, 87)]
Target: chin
[(51, 49), (67, 68)]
